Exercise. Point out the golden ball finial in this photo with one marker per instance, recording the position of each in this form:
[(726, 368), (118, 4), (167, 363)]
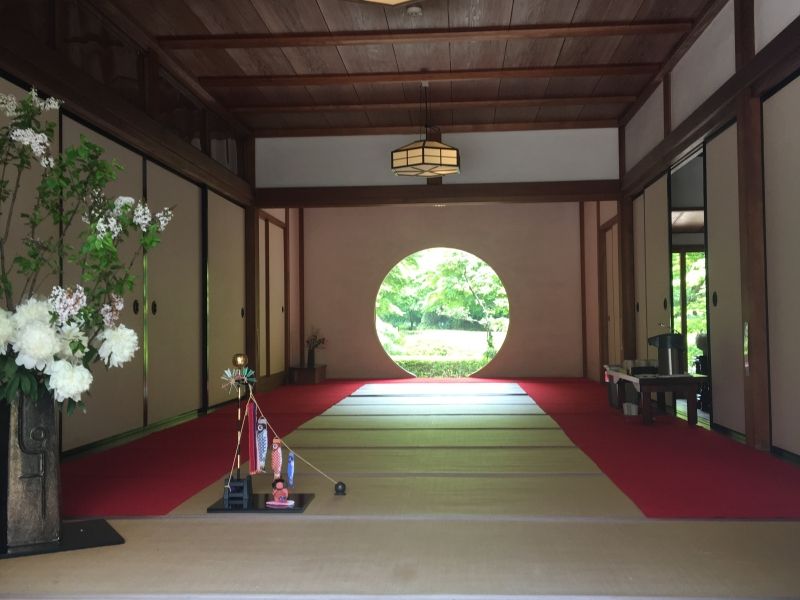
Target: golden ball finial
[(240, 360)]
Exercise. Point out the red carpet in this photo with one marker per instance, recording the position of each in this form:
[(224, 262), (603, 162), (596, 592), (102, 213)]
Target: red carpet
[(154, 474), (670, 470)]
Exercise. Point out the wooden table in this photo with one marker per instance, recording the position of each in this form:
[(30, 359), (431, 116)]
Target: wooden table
[(684, 384)]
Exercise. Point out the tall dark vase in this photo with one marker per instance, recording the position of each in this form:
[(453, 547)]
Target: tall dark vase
[(311, 361), (31, 515)]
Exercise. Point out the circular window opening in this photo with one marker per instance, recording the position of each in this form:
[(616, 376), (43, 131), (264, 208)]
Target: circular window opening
[(441, 312)]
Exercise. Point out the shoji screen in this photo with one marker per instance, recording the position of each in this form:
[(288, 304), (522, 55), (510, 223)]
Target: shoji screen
[(225, 291), (781, 197), (116, 403), (591, 283), (263, 302), (174, 300), (724, 281), (657, 263), (277, 307), (613, 318), (640, 276)]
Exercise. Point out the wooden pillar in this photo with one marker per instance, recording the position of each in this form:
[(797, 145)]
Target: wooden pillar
[(667, 89), (626, 263), (752, 241)]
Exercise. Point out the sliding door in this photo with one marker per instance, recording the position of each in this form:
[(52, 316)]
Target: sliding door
[(640, 277), (277, 300), (657, 261), (724, 281)]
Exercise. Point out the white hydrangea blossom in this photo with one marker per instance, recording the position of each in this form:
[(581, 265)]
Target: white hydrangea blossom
[(164, 216), (36, 344), (119, 345), (32, 310), (121, 203), (8, 104), (142, 217), (6, 330), (69, 381), (44, 105), (67, 303)]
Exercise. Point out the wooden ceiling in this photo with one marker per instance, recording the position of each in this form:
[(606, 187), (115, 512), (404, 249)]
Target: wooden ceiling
[(316, 67)]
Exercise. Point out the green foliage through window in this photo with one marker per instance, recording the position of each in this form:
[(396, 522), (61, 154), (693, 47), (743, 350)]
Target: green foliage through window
[(442, 313)]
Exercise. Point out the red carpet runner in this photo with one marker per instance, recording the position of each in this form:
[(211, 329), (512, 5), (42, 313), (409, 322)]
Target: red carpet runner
[(669, 469), (154, 474)]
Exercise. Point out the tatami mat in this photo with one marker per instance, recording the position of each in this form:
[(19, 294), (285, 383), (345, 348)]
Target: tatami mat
[(334, 422), (435, 409), (430, 399), (427, 438)]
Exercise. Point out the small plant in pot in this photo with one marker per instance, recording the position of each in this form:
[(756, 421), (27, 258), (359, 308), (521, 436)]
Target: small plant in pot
[(313, 341)]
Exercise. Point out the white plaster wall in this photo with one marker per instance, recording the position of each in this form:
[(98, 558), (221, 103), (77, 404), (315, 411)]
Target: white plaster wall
[(772, 17), (705, 67), (572, 155), (535, 249), (645, 129)]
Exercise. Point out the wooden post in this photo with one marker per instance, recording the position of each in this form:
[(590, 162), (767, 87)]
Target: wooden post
[(251, 291)]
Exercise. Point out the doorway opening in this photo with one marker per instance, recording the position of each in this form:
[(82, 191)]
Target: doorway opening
[(441, 312)]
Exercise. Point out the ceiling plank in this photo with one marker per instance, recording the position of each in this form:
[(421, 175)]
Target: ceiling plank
[(461, 34), (463, 193), (447, 105), (455, 128), (344, 78)]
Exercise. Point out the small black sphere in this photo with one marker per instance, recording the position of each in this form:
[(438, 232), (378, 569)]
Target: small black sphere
[(340, 489)]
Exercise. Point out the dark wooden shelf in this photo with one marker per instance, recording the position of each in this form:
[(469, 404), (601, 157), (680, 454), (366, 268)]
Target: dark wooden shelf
[(307, 375)]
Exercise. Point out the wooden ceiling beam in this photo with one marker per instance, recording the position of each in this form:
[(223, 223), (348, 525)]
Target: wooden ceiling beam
[(452, 105), (416, 76), (449, 193), (476, 34), (459, 128)]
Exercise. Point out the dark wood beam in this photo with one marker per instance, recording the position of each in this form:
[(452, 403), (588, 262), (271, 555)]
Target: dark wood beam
[(710, 11), (667, 103), (421, 36), (781, 56), (752, 238), (450, 105), (460, 128), (416, 76), (464, 193), (113, 13), (51, 73)]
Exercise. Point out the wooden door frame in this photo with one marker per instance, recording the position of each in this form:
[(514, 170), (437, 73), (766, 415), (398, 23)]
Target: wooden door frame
[(602, 281), (267, 377)]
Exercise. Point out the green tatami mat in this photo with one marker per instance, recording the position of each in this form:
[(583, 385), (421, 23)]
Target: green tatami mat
[(438, 389), (536, 496), (436, 409), (427, 438), (441, 460), (455, 400), (432, 422)]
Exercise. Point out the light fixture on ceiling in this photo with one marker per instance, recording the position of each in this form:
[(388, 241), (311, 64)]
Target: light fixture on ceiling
[(426, 157)]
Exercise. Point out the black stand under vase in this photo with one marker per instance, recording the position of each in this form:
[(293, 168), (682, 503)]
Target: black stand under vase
[(30, 486)]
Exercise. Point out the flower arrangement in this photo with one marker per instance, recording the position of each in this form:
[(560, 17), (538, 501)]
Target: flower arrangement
[(47, 344), (314, 340)]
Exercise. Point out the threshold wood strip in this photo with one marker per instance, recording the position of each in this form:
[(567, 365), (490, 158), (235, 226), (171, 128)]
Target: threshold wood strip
[(461, 34), (415, 76)]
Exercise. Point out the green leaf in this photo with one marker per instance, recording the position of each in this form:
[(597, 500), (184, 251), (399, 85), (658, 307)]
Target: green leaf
[(25, 383), (12, 388)]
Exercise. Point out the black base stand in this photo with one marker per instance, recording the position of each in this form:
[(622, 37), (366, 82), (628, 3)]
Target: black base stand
[(237, 493), (75, 535), (258, 504)]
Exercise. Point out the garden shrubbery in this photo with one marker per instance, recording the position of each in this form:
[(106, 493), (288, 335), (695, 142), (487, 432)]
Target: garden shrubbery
[(441, 367)]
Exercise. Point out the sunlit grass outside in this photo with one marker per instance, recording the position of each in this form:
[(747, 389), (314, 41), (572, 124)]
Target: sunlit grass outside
[(441, 313)]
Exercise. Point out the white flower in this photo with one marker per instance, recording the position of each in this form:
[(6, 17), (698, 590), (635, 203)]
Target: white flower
[(43, 105), (119, 345), (69, 334), (6, 330), (47, 162), (68, 381), (8, 104), (142, 217), (35, 344), (67, 303), (164, 216), (37, 142), (110, 312), (32, 310), (108, 225), (121, 203)]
